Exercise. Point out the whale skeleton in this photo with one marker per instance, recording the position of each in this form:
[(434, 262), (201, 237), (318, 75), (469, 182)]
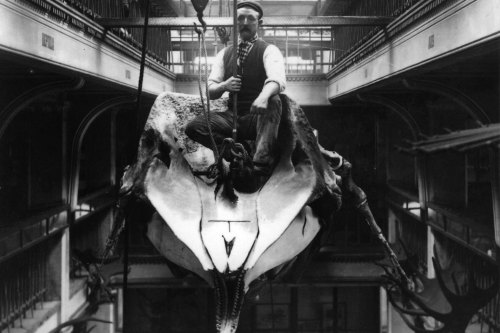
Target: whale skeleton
[(233, 244)]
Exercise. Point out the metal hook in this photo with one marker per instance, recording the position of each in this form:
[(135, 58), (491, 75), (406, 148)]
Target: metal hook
[(202, 21), (198, 30), (203, 24)]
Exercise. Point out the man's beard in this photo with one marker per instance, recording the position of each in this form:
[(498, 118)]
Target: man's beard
[(246, 34)]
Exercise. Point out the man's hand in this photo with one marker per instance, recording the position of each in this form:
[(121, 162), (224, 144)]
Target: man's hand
[(233, 84), (259, 106)]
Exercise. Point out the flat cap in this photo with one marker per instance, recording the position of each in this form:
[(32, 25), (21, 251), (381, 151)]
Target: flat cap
[(251, 4)]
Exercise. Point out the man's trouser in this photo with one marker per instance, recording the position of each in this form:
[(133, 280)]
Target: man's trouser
[(263, 128)]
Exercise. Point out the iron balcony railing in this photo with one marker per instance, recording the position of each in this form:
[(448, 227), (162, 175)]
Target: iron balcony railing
[(412, 230), (482, 271), (24, 285), (307, 50), (347, 39), (22, 234), (352, 44), (410, 227), (413, 234), (489, 316), (462, 229), (79, 15)]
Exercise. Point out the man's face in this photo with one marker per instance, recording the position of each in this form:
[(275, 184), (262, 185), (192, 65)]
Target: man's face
[(248, 22)]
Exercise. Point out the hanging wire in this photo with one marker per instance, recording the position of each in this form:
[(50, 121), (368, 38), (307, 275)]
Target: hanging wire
[(206, 111), (272, 305), (138, 107)]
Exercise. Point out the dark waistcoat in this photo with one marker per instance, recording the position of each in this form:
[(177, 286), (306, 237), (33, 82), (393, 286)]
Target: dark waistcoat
[(253, 75)]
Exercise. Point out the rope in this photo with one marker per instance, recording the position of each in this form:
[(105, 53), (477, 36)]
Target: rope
[(126, 230), (206, 110), (235, 72), (143, 61), (205, 56), (272, 305)]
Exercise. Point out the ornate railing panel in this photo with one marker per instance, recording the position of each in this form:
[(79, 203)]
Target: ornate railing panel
[(355, 43), (482, 270), (80, 16), (28, 232), (410, 228), (489, 316), (24, 283), (463, 230)]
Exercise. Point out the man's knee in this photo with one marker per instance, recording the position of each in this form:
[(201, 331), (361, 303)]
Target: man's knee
[(194, 130), (274, 108), (275, 102)]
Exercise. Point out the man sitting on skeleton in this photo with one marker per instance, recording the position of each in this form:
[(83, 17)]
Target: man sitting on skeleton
[(261, 77)]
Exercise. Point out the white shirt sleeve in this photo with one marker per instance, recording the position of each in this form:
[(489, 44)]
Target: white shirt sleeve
[(274, 65), (217, 73)]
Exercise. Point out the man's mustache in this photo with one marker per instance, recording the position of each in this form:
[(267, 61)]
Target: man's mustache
[(244, 29)]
